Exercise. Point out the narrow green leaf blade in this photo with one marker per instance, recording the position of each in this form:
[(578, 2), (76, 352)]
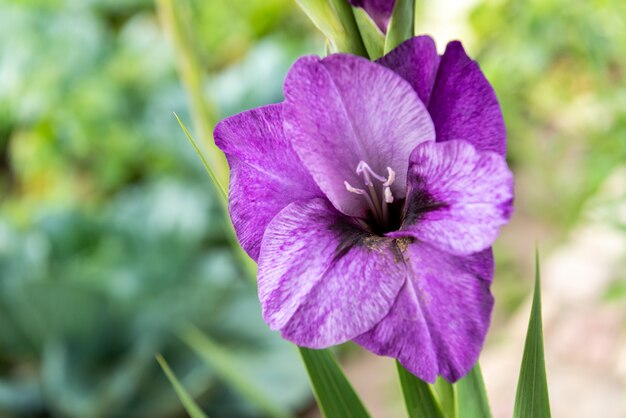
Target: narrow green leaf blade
[(532, 400), (472, 399), (249, 265), (373, 38), (190, 405), (219, 186), (222, 361), (401, 24), (447, 396), (335, 396), (419, 398)]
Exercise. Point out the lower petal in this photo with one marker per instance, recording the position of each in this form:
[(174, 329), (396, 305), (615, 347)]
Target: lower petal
[(322, 280), (441, 316)]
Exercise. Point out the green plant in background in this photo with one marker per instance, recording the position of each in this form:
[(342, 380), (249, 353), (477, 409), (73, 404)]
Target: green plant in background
[(110, 242), (556, 66)]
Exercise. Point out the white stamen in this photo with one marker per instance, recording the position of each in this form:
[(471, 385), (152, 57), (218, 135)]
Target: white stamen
[(379, 207), (388, 195), (354, 189), (362, 192), (390, 178), (364, 169)]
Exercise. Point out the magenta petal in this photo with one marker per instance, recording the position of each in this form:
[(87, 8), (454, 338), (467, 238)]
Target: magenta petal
[(458, 197), (344, 109), (416, 60), (322, 281), (265, 173), (463, 104), (441, 316)]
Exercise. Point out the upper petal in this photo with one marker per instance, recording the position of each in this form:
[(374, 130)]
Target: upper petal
[(416, 60), (463, 104), (322, 281), (265, 172), (458, 197), (344, 109), (441, 316)]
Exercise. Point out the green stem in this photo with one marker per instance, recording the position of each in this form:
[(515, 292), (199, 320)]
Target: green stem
[(174, 16)]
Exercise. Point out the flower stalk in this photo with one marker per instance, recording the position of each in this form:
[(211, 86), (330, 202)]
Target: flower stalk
[(173, 14)]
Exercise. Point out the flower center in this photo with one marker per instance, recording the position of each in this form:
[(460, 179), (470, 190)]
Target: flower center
[(379, 206)]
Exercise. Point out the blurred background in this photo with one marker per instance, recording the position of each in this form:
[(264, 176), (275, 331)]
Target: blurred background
[(114, 247)]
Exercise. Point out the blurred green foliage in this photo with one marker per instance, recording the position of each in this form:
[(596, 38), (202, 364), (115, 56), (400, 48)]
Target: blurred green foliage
[(110, 238), (559, 70)]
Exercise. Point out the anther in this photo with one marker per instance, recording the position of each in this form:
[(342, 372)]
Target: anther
[(388, 195), (378, 206), (390, 178), (354, 189)]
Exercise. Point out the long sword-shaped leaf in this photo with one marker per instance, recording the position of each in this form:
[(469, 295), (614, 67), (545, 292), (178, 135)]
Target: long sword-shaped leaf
[(190, 405), (335, 396), (471, 396), (532, 399), (224, 364), (218, 185), (373, 38), (249, 265), (418, 396), (401, 25)]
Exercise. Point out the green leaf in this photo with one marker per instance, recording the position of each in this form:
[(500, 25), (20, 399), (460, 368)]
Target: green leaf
[(335, 396), (218, 185), (226, 365), (471, 396), (190, 405), (373, 38), (401, 25), (419, 398), (335, 20), (447, 397), (248, 264), (532, 399)]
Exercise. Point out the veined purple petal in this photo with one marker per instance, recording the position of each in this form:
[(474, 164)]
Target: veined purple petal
[(265, 173), (379, 10), (439, 321), (417, 61), (460, 100), (323, 281), (463, 104), (344, 109), (458, 197)]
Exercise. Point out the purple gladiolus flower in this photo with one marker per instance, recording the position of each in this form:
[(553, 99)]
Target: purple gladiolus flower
[(370, 198), (379, 10)]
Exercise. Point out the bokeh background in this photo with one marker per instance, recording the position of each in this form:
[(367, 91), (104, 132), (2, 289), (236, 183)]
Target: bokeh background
[(114, 247)]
